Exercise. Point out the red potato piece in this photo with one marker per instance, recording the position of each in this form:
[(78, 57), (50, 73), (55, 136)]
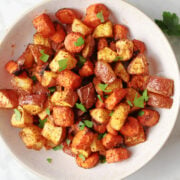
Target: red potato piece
[(8, 98), (87, 69), (87, 95), (115, 98), (149, 117), (100, 128), (63, 116), (102, 43), (131, 127), (110, 130), (159, 101), (70, 41), (104, 72), (120, 31), (39, 89), (11, 67), (139, 46), (112, 45), (44, 25), (117, 154), (110, 141), (68, 79), (66, 16), (160, 85), (99, 103), (96, 83)]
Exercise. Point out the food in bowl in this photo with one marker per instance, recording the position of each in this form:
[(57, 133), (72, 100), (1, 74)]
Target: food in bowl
[(84, 86)]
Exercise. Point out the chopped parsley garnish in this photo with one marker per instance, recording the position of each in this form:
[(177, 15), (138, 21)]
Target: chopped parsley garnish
[(79, 42), (82, 157), (52, 89), (49, 160), (34, 78), (99, 97), (81, 125), (102, 159), (81, 61), (145, 95), (81, 107), (103, 87), (48, 111), (100, 136), (100, 16), (140, 113), (68, 141), (129, 102), (42, 122), (58, 147), (44, 57), (139, 101), (17, 114), (62, 64), (118, 58), (88, 123), (111, 113)]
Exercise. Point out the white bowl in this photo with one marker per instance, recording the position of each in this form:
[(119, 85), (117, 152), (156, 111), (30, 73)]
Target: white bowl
[(162, 61)]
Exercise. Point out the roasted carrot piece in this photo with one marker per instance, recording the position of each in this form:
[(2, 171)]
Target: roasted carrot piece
[(120, 31), (87, 69)]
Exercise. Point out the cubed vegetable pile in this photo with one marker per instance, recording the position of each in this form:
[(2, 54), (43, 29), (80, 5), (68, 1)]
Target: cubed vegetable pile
[(84, 86)]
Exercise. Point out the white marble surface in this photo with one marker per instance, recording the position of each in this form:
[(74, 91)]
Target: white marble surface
[(166, 164)]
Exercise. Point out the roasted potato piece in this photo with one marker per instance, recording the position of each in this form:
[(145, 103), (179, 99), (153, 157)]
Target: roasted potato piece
[(103, 30), (39, 71), (100, 103), (64, 98), (89, 162), (49, 145), (97, 144), (107, 55), (66, 15), (133, 140), (48, 79), (110, 141), (148, 117), (79, 27), (119, 116), (131, 127), (96, 83), (39, 89), (102, 43), (100, 115), (139, 82), (87, 69), (117, 154), (104, 72), (8, 98), (100, 128), (85, 152), (110, 130), (121, 72), (63, 116), (11, 67), (159, 101), (32, 138), (120, 31), (124, 49), (112, 45), (115, 98), (139, 46), (44, 25), (138, 66), (69, 79), (71, 44), (160, 85), (39, 39), (23, 120), (53, 133)]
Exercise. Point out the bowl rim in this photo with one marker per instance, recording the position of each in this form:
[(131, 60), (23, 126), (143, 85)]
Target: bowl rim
[(9, 29)]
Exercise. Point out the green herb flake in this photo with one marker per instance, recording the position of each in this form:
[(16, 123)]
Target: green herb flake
[(68, 141), (170, 24), (49, 160), (82, 157), (140, 113), (81, 107), (118, 58), (130, 103), (62, 64), (88, 123), (103, 87), (81, 125), (42, 122), (106, 96), (58, 147), (102, 159), (81, 61), (17, 114), (145, 95), (34, 78), (44, 57), (138, 101), (52, 89), (99, 97), (48, 111), (100, 16), (100, 136), (111, 113), (79, 42)]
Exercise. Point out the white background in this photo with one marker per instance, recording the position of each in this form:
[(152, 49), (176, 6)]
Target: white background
[(166, 164)]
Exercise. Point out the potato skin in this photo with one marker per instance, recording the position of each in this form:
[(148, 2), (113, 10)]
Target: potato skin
[(159, 101), (149, 118), (139, 46), (39, 39), (63, 116), (104, 72), (100, 104), (102, 43), (90, 162), (96, 83), (120, 31), (160, 85), (100, 128), (110, 141), (117, 154), (87, 69)]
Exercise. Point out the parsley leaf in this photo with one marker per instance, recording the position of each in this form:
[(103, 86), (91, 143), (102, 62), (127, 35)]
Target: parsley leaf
[(48, 111), (79, 42), (44, 57), (82, 157), (81, 107), (34, 78), (88, 123), (100, 136), (17, 114), (52, 89), (103, 87), (62, 64), (68, 141), (99, 97), (140, 113), (81, 61), (58, 147), (111, 113), (138, 101), (170, 24), (106, 96), (102, 159), (118, 58), (145, 95), (130, 103), (49, 160), (100, 16), (42, 122), (81, 125)]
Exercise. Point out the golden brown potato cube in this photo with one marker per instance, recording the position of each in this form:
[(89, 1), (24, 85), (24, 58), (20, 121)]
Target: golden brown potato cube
[(53, 133), (103, 30), (32, 138), (138, 66), (119, 116), (124, 49), (97, 144), (85, 152), (39, 39), (121, 72), (8, 98), (48, 79), (21, 120), (133, 140), (110, 130), (66, 97), (88, 163), (100, 115), (78, 26), (61, 56), (107, 55), (22, 82)]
